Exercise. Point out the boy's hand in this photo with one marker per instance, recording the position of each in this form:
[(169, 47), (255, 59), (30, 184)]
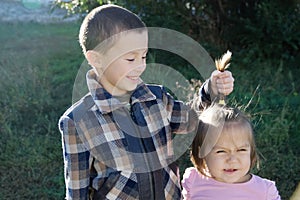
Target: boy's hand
[(221, 82)]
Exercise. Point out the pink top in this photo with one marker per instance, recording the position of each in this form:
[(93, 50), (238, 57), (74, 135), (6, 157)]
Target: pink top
[(199, 187)]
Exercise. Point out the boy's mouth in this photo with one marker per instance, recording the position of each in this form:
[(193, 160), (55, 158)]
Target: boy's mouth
[(134, 78)]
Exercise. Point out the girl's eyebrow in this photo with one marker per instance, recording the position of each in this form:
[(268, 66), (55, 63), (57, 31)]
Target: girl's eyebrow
[(238, 147), (219, 147), (244, 146)]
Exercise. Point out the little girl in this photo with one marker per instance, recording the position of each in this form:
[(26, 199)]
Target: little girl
[(223, 153)]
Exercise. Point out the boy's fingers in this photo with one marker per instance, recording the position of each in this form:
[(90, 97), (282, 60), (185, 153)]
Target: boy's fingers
[(225, 91), (225, 80), (220, 75), (222, 82), (225, 84)]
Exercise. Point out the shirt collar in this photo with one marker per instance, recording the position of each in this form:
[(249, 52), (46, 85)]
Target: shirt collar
[(106, 102)]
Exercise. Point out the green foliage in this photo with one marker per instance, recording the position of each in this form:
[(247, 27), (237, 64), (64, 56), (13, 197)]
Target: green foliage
[(253, 30), (259, 29), (80, 6), (272, 33)]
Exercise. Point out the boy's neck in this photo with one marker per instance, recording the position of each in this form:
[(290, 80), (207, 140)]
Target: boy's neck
[(125, 97)]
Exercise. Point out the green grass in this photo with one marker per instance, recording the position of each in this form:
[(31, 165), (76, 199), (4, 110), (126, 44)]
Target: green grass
[(38, 65)]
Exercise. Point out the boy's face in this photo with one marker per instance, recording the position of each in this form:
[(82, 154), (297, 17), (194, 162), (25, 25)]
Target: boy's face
[(229, 161), (123, 64)]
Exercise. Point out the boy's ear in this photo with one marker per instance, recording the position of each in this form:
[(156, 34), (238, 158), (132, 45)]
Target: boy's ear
[(93, 58)]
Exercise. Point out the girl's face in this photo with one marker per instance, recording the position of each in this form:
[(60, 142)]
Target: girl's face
[(123, 64), (229, 161)]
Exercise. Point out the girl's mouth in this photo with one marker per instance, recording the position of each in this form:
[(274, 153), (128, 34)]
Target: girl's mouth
[(230, 170)]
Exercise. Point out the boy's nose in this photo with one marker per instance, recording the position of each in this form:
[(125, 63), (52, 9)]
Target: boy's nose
[(140, 67)]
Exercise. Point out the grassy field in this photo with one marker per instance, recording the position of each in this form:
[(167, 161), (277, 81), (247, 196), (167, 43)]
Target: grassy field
[(38, 67)]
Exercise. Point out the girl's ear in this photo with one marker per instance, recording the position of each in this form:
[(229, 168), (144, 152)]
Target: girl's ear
[(93, 58)]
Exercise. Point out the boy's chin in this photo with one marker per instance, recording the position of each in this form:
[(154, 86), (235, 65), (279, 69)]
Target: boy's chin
[(124, 90), (131, 89)]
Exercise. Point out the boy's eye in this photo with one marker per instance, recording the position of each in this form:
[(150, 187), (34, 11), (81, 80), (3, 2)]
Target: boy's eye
[(145, 56)]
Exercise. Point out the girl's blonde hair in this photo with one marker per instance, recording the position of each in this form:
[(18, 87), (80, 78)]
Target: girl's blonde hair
[(213, 121)]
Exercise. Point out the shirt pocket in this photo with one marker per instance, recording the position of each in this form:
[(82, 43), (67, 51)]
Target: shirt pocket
[(125, 187)]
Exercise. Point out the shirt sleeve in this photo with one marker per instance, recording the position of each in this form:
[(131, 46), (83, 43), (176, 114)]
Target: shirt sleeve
[(273, 193), (205, 94), (183, 119), (186, 183), (76, 161), (203, 98)]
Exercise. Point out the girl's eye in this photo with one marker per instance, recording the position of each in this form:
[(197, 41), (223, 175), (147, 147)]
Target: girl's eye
[(130, 59), (242, 150), (220, 151)]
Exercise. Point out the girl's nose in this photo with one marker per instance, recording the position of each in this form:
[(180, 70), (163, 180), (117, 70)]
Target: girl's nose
[(232, 158)]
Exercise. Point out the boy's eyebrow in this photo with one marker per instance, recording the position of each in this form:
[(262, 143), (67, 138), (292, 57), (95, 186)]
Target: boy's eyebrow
[(135, 52)]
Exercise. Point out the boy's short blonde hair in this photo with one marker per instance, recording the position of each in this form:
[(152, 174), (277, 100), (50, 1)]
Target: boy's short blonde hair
[(207, 122), (104, 22)]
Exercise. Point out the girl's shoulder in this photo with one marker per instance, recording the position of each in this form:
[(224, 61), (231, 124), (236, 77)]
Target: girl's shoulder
[(190, 178), (268, 185), (192, 174), (262, 181), (190, 171)]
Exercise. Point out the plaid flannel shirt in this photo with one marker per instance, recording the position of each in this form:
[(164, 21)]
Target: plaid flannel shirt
[(96, 150)]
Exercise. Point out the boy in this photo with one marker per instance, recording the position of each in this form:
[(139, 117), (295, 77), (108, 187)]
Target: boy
[(117, 140)]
